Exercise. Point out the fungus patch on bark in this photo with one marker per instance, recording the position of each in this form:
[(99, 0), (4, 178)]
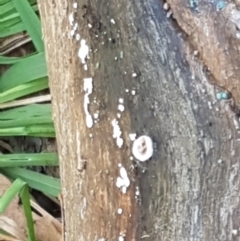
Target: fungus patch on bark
[(123, 181), (117, 133), (142, 148), (119, 211), (83, 51), (87, 87)]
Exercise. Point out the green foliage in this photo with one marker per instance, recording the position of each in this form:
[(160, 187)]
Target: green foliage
[(21, 187), (31, 22), (30, 120), (25, 75), (38, 181), (26, 159), (28, 74)]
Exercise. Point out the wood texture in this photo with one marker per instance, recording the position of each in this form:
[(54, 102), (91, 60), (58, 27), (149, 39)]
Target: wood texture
[(189, 190)]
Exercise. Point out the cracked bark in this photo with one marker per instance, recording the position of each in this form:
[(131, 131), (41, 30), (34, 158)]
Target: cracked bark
[(190, 188)]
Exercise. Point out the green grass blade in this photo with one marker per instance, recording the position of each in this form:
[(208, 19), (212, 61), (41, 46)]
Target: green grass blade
[(29, 111), (8, 8), (25, 121), (25, 198), (10, 193), (31, 22), (11, 60), (3, 2), (49, 185), (35, 130), (26, 159), (9, 21), (24, 90), (27, 70), (16, 28)]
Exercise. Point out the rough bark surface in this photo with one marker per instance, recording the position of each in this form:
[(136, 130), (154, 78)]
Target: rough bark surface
[(190, 188), (213, 27)]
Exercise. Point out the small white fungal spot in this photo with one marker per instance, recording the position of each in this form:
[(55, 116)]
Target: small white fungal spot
[(137, 193), (124, 189), (210, 105), (134, 75), (97, 65), (115, 58), (119, 211), (90, 135), (126, 90), (118, 115), (121, 54), (119, 164), (90, 25), (71, 18), (83, 51), (165, 6), (112, 21), (133, 92), (123, 181), (88, 87), (132, 136), (195, 52), (75, 26), (117, 133), (121, 100), (235, 122), (169, 13), (78, 37), (72, 32), (219, 161), (121, 107), (234, 231), (142, 148), (96, 115), (123, 174), (120, 238), (75, 5)]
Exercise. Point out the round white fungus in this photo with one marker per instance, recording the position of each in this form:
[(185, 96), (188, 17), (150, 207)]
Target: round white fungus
[(142, 148)]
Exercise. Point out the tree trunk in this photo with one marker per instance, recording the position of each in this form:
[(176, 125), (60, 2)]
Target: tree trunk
[(141, 75)]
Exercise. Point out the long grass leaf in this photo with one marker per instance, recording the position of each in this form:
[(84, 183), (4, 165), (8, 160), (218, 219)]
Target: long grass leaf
[(11, 60), (10, 193), (25, 121), (25, 198), (31, 22), (24, 89), (27, 70), (3, 2), (34, 130), (34, 110), (16, 28), (8, 8), (26, 159), (49, 185), (9, 21)]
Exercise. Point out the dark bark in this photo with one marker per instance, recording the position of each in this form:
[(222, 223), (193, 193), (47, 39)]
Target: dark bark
[(189, 190)]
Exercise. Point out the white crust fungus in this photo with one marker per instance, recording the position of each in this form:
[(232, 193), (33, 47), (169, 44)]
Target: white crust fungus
[(142, 148)]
